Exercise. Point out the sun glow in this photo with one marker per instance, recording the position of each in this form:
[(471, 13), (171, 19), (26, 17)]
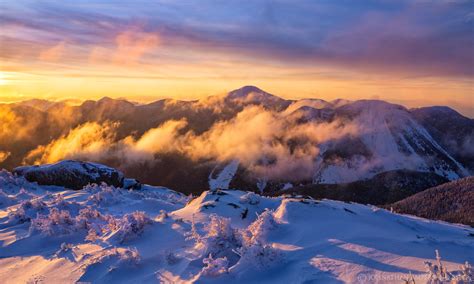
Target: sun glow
[(3, 78)]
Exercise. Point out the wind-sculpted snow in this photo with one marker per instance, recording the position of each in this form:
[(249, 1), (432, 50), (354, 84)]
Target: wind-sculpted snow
[(107, 234)]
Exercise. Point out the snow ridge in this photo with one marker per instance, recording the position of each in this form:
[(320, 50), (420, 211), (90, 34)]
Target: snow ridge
[(105, 234)]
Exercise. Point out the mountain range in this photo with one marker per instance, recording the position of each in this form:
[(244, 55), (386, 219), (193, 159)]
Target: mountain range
[(293, 142)]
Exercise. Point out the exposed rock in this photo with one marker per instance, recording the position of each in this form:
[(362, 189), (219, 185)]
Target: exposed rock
[(71, 174), (131, 183)]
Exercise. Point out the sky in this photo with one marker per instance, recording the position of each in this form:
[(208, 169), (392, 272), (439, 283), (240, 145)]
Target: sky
[(416, 52)]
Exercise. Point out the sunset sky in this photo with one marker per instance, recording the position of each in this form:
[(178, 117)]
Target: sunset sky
[(411, 52)]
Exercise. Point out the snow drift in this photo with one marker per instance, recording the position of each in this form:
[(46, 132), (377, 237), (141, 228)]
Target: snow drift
[(107, 234)]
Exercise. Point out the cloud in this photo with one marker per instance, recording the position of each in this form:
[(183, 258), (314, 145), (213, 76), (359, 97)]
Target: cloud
[(88, 141), (95, 141), (162, 139), (4, 155), (15, 127), (8, 121), (129, 47), (98, 54), (133, 44), (409, 37), (267, 143), (54, 53)]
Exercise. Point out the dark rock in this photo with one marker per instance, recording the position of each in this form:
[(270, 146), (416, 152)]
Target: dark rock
[(131, 183), (71, 174)]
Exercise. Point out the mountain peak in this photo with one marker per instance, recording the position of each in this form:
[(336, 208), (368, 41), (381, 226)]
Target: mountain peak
[(112, 101), (436, 110), (373, 106), (106, 100), (248, 89), (245, 91), (39, 104), (252, 94)]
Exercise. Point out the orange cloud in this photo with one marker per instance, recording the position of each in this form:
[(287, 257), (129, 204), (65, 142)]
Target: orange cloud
[(54, 53), (14, 127), (90, 140), (133, 44), (4, 155), (262, 141), (162, 139), (98, 54)]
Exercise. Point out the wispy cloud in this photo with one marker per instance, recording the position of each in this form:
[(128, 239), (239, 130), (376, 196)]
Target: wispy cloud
[(54, 53), (413, 37)]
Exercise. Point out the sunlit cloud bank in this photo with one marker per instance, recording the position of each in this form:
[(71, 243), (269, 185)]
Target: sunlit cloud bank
[(265, 142), (14, 127), (89, 140)]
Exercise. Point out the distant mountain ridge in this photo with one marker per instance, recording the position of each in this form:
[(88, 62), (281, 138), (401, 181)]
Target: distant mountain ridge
[(389, 137), (384, 188)]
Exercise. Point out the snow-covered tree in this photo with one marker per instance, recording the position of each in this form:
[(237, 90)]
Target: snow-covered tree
[(129, 226), (255, 249), (28, 210), (129, 255), (219, 238), (249, 198), (56, 223), (215, 266)]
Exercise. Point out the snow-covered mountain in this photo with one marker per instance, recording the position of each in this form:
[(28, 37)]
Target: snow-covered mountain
[(107, 234), (388, 139), (349, 140), (452, 130), (252, 94)]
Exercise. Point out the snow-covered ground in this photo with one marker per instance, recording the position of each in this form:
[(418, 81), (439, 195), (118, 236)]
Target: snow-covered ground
[(103, 234), (224, 177)]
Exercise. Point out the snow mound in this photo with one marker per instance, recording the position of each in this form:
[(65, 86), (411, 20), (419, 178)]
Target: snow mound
[(107, 234)]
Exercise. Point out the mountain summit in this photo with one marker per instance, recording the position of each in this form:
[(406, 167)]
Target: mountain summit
[(252, 94)]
